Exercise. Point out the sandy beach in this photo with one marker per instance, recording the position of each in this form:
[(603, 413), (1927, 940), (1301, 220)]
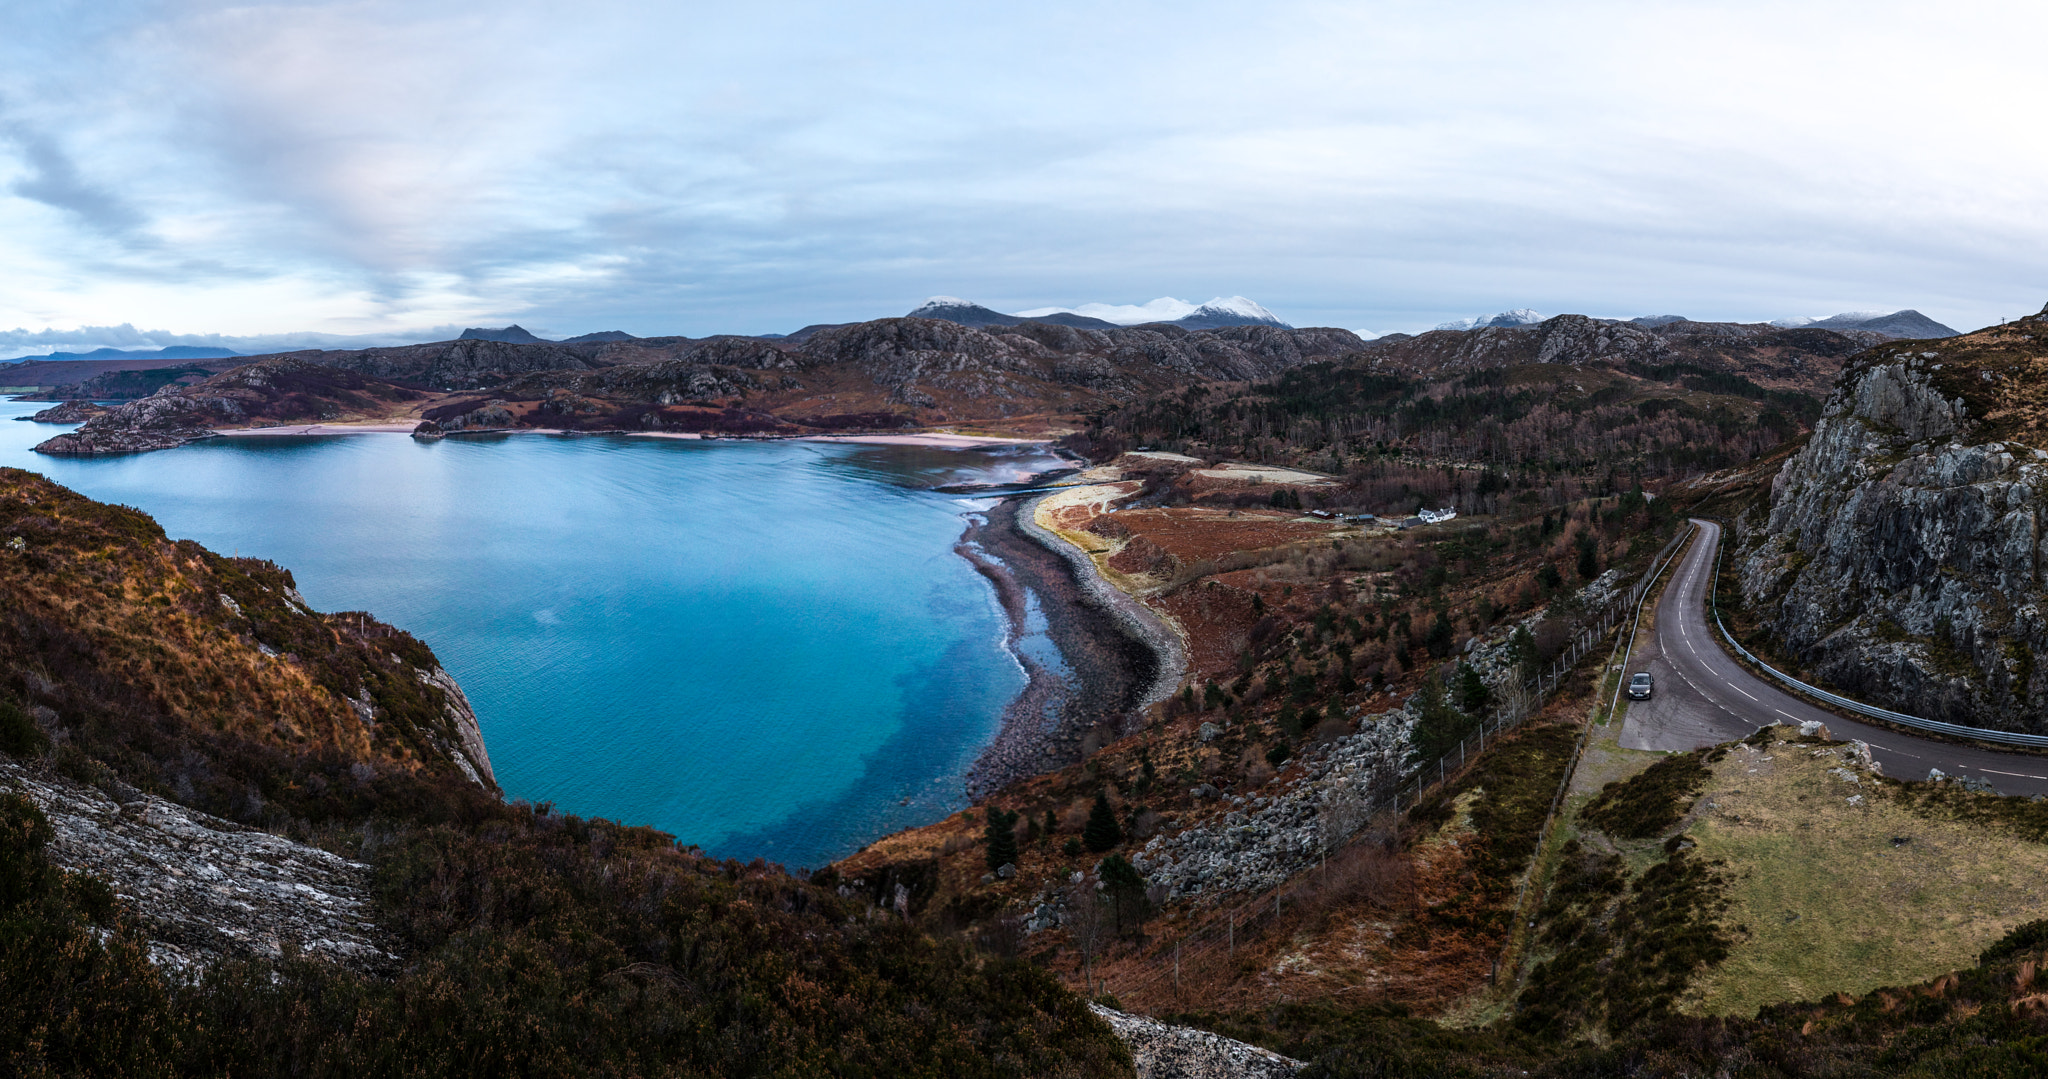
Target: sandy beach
[(321, 429), (938, 439)]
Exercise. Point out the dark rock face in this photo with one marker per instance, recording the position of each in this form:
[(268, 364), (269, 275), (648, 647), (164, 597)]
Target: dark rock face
[(1905, 554), (514, 334)]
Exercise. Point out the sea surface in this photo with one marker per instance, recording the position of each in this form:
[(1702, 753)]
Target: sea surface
[(768, 649)]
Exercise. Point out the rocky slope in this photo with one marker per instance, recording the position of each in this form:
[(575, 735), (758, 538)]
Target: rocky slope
[(1797, 359), (171, 662), (1902, 555), (270, 391), (207, 889)]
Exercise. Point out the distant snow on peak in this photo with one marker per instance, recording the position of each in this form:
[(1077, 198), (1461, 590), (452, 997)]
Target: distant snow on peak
[(1220, 311), (1520, 316), (1793, 322), (1163, 309), (941, 302)]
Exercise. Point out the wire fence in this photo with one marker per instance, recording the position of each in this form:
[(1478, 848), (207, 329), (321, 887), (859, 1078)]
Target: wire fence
[(1206, 953)]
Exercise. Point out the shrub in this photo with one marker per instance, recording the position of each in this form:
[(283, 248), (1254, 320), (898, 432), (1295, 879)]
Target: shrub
[(1649, 803)]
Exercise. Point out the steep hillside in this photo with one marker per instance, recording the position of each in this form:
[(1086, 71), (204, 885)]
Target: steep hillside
[(1901, 558), (269, 391), (158, 700), (190, 673)]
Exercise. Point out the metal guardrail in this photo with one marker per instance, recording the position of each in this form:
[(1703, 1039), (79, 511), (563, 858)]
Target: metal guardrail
[(1954, 730)]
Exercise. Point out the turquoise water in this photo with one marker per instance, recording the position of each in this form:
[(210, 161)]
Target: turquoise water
[(768, 649)]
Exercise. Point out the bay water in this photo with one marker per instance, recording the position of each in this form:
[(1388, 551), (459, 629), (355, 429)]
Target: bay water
[(768, 649)]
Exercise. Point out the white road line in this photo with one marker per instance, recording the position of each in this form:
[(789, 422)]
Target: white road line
[(1740, 690), (2015, 775), (1784, 713)]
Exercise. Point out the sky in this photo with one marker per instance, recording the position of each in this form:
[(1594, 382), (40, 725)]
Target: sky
[(330, 171)]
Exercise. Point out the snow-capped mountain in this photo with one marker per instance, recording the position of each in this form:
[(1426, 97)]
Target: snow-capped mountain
[(1520, 316), (1221, 311)]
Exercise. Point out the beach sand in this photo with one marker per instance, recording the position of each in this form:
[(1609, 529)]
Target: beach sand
[(936, 438)]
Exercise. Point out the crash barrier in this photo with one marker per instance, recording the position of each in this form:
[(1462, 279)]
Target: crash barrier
[(1953, 730)]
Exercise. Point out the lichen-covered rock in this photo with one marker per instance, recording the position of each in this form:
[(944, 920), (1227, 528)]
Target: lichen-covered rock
[(1902, 557), (207, 889)]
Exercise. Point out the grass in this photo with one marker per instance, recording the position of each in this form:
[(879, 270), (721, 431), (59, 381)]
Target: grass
[(1840, 897)]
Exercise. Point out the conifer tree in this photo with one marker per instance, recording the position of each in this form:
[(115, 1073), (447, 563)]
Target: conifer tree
[(1102, 831), (1002, 838)]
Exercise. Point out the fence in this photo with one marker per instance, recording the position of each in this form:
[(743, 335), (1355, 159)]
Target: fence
[(1210, 949), (1954, 730)]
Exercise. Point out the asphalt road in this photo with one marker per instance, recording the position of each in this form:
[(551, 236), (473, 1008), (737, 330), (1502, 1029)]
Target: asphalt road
[(1703, 697)]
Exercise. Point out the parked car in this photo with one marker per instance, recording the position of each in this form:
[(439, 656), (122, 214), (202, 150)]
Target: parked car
[(1639, 686)]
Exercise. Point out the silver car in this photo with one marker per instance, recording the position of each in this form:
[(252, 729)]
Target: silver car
[(1639, 687)]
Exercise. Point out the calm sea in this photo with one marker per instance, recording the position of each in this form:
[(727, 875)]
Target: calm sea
[(768, 649)]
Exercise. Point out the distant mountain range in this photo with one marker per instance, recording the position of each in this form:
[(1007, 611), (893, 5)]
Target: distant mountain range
[(1215, 314), (1908, 324), (174, 352), (516, 334)]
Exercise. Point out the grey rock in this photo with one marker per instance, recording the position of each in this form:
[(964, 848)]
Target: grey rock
[(207, 889), (1902, 559), (1163, 1051)]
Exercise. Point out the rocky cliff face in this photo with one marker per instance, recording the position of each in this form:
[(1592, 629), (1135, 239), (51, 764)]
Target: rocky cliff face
[(1904, 556)]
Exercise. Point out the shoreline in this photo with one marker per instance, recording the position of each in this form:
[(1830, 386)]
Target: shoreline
[(935, 440), (1120, 658)]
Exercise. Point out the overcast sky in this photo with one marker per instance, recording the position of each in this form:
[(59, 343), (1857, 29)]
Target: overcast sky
[(375, 167)]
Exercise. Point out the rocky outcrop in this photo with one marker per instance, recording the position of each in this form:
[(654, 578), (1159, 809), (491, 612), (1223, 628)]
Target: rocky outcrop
[(69, 412), (1163, 1051), (276, 390), (207, 889), (1902, 558), (467, 748), (1266, 840)]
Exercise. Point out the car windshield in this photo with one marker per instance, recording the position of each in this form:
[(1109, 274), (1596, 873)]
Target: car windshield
[(1642, 679)]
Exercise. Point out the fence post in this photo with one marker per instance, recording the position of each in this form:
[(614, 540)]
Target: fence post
[(1233, 934), (1176, 968)]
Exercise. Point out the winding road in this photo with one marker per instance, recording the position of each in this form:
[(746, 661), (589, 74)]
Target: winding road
[(1703, 697)]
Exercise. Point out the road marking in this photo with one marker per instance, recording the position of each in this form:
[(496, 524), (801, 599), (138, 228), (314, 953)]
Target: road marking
[(1740, 690), (2015, 775), (1784, 713)]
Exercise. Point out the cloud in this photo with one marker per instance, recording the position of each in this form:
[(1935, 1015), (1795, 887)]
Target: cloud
[(53, 179), (364, 166)]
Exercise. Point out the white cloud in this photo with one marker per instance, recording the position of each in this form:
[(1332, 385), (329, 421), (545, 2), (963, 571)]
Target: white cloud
[(351, 166)]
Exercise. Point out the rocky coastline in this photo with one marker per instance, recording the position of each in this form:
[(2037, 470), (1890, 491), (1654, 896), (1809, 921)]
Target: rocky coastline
[(1120, 658)]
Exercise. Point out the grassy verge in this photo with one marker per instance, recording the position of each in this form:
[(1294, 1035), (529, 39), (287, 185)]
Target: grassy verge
[(1846, 886)]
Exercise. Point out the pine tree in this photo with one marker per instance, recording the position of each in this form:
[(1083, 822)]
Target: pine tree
[(1124, 887), (1102, 831), (1002, 838)]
